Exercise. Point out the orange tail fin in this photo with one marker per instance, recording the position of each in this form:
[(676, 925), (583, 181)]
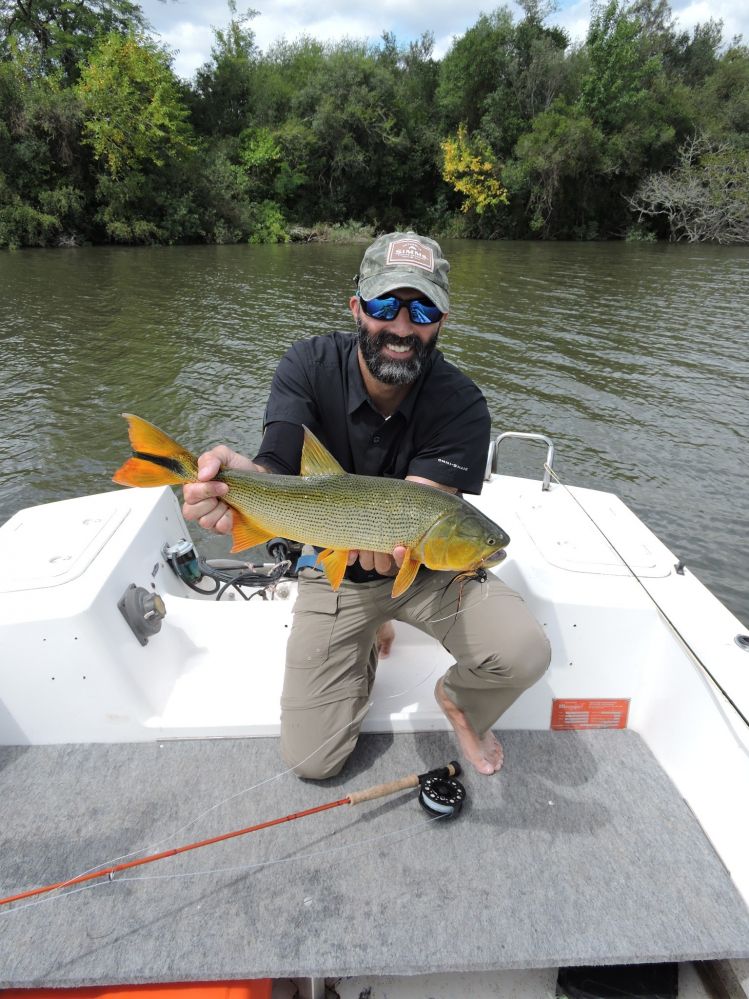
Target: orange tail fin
[(157, 459)]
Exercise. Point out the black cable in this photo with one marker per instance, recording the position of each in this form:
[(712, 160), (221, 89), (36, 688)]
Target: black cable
[(235, 578)]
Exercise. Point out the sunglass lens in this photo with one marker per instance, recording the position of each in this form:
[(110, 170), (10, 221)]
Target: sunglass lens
[(383, 309), (421, 310)]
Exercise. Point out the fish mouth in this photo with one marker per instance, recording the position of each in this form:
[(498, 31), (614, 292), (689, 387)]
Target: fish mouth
[(494, 559)]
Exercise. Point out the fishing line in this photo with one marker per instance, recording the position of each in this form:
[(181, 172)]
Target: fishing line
[(462, 610), (688, 648), (407, 690), (254, 787), (170, 836), (154, 845), (410, 830), (437, 787)]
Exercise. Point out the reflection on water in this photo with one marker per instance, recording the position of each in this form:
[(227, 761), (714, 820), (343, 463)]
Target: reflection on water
[(633, 358)]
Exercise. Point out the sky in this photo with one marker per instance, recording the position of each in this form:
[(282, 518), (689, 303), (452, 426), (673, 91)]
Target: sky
[(185, 26)]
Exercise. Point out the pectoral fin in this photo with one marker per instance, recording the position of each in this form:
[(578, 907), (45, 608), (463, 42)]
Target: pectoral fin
[(334, 563), (406, 574), (246, 534)]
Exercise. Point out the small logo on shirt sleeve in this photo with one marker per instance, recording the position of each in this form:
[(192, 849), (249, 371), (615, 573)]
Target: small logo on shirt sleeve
[(453, 464)]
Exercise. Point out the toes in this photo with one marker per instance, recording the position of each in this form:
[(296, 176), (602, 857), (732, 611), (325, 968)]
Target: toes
[(484, 767)]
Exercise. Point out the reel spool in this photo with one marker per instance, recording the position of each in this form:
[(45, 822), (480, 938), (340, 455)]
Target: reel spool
[(442, 796)]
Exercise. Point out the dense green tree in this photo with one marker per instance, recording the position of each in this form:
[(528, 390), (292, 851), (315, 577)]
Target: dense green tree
[(477, 65), (722, 101), (556, 165), (621, 66), (133, 113), (61, 32), (135, 123), (514, 133), (42, 177), (226, 87)]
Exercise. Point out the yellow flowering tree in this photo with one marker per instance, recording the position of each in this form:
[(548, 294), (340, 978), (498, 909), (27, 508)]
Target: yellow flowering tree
[(469, 167)]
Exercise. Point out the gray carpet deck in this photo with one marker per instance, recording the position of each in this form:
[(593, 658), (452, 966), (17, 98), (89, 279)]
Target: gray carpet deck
[(579, 852)]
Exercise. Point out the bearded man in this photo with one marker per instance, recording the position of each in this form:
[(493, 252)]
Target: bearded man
[(385, 403)]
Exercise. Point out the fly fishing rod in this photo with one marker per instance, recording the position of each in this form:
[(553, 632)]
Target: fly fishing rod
[(440, 794)]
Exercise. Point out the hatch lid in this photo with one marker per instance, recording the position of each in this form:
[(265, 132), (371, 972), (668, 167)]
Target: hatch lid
[(584, 530), (51, 545)]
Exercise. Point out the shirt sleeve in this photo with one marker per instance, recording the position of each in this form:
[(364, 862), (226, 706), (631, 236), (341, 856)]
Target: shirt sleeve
[(291, 397), (290, 404), (281, 448), (455, 453)]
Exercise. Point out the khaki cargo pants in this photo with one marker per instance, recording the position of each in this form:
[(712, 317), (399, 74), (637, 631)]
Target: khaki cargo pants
[(499, 649)]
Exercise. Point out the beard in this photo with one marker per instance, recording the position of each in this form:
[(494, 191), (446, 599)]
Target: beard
[(386, 369)]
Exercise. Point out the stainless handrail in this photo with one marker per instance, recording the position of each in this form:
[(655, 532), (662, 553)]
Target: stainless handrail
[(492, 464)]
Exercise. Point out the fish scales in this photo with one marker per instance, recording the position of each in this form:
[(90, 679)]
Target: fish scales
[(340, 510)]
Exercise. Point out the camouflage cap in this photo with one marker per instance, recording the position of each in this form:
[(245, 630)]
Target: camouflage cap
[(405, 260)]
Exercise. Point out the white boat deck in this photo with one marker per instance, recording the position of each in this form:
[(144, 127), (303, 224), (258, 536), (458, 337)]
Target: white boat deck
[(589, 847)]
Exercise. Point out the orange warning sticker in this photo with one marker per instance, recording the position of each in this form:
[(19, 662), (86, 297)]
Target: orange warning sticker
[(589, 714)]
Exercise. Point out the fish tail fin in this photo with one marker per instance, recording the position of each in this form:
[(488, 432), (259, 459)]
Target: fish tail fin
[(157, 459)]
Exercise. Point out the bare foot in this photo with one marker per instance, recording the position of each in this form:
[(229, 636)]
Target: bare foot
[(485, 751)]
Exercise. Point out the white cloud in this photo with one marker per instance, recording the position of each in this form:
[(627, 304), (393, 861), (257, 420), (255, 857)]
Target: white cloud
[(188, 41), (186, 25), (574, 19), (733, 13)]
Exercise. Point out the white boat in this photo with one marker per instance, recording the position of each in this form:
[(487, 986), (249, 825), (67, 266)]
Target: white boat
[(615, 834)]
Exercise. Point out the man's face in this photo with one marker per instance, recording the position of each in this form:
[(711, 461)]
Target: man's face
[(395, 352)]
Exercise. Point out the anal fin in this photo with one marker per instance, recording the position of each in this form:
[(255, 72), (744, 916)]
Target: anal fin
[(406, 574)]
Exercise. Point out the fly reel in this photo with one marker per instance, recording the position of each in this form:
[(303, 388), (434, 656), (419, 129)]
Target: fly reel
[(441, 794)]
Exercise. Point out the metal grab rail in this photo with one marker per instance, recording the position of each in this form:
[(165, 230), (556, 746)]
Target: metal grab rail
[(492, 464)]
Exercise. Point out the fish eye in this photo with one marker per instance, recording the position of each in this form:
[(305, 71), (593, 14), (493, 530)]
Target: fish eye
[(491, 541)]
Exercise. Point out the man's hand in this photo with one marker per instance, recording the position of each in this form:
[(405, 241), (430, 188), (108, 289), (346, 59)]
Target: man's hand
[(382, 562), (203, 500)]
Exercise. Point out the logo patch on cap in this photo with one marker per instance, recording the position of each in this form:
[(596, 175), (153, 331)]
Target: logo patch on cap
[(411, 252)]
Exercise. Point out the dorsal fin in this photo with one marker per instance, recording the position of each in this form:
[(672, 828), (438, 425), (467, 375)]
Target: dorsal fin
[(316, 459)]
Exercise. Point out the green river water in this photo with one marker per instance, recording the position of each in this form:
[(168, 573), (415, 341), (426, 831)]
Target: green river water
[(634, 358)]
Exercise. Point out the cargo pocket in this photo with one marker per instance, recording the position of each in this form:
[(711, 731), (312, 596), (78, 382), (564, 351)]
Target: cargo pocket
[(314, 619), (324, 663)]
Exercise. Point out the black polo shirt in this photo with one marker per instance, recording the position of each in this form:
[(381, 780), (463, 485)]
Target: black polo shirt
[(440, 431)]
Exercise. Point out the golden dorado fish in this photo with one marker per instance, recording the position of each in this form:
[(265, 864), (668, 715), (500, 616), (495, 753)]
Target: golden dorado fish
[(330, 509)]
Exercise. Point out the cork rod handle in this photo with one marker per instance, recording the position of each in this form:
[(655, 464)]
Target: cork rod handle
[(382, 790), (393, 786)]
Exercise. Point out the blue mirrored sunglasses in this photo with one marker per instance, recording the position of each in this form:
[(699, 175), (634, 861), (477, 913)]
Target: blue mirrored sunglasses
[(420, 310)]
